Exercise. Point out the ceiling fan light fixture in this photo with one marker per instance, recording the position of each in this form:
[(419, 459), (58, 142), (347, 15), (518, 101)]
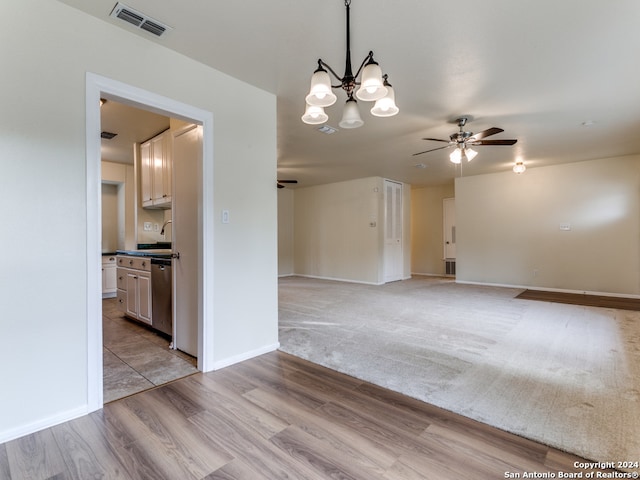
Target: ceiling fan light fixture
[(470, 154), (314, 115), (456, 156), (386, 106), (320, 93), (351, 115)]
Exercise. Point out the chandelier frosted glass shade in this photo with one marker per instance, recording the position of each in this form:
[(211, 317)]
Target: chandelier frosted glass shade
[(386, 106), (371, 86), (320, 93), (351, 115), (314, 115)]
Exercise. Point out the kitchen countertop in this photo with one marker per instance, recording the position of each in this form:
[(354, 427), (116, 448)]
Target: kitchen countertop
[(155, 252)]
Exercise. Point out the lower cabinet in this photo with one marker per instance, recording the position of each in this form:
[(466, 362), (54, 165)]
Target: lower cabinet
[(134, 287), (109, 286)]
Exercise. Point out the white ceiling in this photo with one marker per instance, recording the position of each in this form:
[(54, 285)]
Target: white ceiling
[(536, 68)]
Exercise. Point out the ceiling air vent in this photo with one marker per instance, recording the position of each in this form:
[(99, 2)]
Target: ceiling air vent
[(140, 20), (107, 135)]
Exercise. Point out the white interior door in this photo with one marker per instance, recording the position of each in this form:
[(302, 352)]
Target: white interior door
[(187, 170), (449, 215), (392, 231)]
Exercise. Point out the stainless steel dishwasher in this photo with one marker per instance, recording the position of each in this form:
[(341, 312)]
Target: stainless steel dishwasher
[(161, 293)]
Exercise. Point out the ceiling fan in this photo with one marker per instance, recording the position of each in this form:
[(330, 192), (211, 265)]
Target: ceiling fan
[(281, 182), (463, 140)]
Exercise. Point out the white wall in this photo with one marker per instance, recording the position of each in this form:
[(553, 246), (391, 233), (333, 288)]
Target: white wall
[(427, 236), (46, 49), (508, 227), (109, 217), (285, 232), (333, 237), (122, 176)]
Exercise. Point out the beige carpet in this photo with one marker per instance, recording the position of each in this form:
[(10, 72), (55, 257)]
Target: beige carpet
[(564, 375)]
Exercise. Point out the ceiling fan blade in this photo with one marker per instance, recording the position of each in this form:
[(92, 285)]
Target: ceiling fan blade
[(287, 181), (432, 150), (485, 133), (494, 142), (436, 140)]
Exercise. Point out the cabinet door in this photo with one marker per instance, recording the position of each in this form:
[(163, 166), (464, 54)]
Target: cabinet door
[(157, 154), (144, 297), (109, 279), (132, 293), (146, 174), (167, 170)]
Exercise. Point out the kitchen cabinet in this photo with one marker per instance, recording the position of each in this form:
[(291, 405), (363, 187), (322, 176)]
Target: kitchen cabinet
[(109, 274), (156, 171), (134, 287)]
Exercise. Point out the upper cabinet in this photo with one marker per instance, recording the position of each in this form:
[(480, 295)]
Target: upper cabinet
[(155, 171)]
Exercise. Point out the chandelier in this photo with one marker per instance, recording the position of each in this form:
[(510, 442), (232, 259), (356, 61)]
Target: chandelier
[(374, 87)]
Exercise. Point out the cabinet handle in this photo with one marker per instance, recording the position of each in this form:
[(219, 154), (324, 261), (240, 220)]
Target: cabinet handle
[(144, 264), (130, 262)]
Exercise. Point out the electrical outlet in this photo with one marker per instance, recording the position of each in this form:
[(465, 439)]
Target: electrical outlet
[(156, 227), (225, 216)]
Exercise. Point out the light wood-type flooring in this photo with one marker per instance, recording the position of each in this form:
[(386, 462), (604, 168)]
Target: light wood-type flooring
[(275, 417)]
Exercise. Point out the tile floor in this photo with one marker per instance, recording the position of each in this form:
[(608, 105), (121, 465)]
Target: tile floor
[(136, 358)]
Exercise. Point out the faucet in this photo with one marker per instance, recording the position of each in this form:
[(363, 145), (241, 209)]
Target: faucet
[(164, 225)]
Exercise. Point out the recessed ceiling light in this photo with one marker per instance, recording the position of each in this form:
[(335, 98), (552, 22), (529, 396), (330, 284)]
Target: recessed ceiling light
[(420, 165), (327, 129)]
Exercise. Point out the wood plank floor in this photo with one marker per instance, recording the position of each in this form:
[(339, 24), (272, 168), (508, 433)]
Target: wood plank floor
[(623, 303), (275, 417)]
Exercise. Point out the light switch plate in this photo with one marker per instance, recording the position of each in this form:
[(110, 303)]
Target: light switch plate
[(147, 226), (225, 216), (565, 226)]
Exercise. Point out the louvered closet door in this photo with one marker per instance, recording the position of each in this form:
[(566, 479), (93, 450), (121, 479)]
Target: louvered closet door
[(392, 231)]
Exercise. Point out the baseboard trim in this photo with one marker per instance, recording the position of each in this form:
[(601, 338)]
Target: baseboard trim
[(43, 423), (337, 279), (433, 275), (546, 289), (227, 362)]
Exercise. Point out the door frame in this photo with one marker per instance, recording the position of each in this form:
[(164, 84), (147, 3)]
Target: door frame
[(385, 277), (98, 87)]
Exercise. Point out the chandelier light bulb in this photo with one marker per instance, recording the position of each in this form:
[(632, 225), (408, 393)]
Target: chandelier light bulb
[(386, 106), (351, 115), (320, 93), (456, 156), (314, 115), (371, 87)]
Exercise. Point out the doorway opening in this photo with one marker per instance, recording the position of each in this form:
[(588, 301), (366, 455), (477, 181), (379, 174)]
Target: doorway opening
[(98, 87)]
